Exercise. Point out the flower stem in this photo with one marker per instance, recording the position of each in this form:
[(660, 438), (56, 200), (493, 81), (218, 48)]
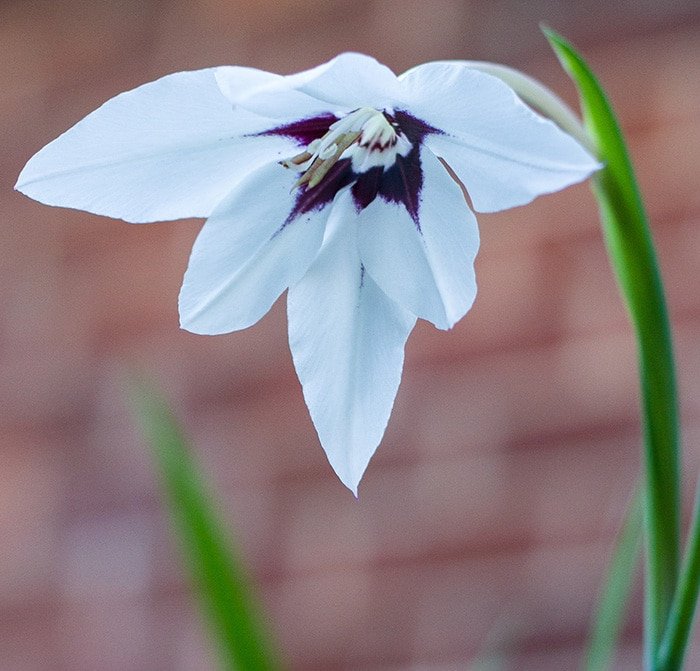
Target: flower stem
[(633, 258)]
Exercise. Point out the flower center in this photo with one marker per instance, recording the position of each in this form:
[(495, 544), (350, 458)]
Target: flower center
[(366, 136)]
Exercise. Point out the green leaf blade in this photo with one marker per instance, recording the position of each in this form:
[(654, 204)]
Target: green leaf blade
[(675, 641), (223, 588), (632, 255), (610, 611)]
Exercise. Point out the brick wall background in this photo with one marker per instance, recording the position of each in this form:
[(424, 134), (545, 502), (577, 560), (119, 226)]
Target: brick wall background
[(488, 512)]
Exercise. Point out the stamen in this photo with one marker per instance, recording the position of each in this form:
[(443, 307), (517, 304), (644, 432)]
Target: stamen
[(328, 151), (297, 160), (365, 135)]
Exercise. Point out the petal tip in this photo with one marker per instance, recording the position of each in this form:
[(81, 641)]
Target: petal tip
[(194, 326), (18, 183), (24, 179), (188, 318), (19, 187), (352, 483), (349, 471)]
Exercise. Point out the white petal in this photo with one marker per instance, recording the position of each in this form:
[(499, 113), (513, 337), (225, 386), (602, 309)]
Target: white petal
[(235, 81), (347, 340), (502, 151), (350, 79), (345, 83), (267, 94), (166, 150), (542, 99), (245, 255), (428, 271)]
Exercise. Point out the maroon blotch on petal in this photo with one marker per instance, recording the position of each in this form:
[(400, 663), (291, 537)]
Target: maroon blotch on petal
[(403, 181), (400, 183), (304, 131), (314, 198)]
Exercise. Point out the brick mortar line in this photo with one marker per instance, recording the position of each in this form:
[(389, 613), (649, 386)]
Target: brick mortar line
[(474, 355), (150, 502), (668, 221), (65, 428)]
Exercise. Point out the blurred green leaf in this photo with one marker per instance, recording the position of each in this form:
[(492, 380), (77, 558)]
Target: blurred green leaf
[(499, 644), (219, 577), (675, 641), (609, 615), (633, 258)]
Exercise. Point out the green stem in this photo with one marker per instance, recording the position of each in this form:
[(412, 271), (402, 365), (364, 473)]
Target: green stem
[(633, 258), (675, 641), (633, 253)]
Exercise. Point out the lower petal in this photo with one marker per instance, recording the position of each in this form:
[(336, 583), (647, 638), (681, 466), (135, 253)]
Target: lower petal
[(426, 265), (248, 253), (347, 340)]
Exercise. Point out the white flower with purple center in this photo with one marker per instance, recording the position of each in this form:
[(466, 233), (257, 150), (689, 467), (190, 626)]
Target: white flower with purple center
[(328, 183)]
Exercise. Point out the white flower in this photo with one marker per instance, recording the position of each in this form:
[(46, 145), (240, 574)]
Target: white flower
[(327, 183)]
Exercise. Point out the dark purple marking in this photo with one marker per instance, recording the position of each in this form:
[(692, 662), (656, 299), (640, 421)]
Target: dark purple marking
[(400, 183), (413, 128), (307, 200), (304, 131), (366, 187), (403, 181)]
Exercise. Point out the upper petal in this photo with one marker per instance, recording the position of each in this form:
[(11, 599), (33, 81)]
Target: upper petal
[(169, 149), (347, 340), (349, 79), (345, 83), (426, 265), (502, 151), (247, 253), (267, 94)]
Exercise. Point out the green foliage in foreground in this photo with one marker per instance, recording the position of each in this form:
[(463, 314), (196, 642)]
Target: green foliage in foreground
[(224, 593), (609, 615)]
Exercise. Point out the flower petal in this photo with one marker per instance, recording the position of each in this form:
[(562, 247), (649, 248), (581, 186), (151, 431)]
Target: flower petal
[(166, 150), (502, 151), (266, 94), (426, 265), (347, 340), (343, 84), (247, 253), (351, 80)]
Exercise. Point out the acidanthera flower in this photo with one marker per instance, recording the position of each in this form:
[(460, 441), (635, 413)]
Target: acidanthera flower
[(328, 183)]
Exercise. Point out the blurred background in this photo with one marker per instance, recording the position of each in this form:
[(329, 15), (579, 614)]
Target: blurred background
[(485, 519)]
